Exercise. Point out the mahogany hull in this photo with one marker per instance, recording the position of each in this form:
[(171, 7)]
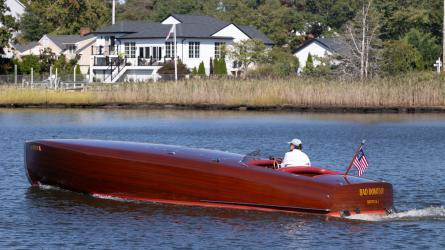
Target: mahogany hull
[(196, 176)]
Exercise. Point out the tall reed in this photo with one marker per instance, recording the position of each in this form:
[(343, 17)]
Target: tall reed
[(407, 91), (413, 90)]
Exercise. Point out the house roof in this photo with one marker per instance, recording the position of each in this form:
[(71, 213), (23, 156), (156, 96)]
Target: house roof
[(184, 18), (20, 2), (190, 27), (125, 27), (183, 30), (62, 40), (253, 33), (334, 45), (24, 47)]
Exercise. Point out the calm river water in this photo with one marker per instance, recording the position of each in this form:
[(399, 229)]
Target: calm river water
[(406, 150)]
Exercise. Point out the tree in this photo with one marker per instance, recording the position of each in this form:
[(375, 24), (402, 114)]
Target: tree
[(8, 26), (63, 17), (47, 58), (400, 57), (309, 67), (400, 16), (362, 37), (136, 9), (79, 75), (28, 62), (222, 66), (211, 69), (247, 52), (426, 45), (283, 62), (216, 66), (33, 26), (201, 69)]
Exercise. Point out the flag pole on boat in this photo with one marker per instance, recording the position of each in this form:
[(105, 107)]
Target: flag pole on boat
[(355, 155)]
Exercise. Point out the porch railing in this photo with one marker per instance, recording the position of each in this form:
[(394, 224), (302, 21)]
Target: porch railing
[(136, 61), (104, 50)]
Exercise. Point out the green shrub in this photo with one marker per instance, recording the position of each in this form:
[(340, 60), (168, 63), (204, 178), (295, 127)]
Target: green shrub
[(222, 66), (201, 69), (426, 45), (283, 61), (79, 76), (309, 67), (169, 68), (400, 57), (28, 62)]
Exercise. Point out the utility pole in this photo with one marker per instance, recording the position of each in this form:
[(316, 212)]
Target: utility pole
[(443, 37), (113, 16)]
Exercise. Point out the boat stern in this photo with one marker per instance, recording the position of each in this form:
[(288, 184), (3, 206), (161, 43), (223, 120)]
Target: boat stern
[(356, 196)]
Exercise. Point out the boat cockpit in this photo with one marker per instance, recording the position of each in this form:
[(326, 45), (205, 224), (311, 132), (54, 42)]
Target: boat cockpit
[(310, 171)]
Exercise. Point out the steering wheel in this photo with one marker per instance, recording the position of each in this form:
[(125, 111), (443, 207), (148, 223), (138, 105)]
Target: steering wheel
[(276, 162)]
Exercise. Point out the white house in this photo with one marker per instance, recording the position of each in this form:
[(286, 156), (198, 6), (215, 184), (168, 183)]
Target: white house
[(319, 47), (16, 10), (72, 46), (135, 50)]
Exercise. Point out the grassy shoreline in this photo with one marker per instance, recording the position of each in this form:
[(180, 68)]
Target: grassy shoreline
[(409, 93)]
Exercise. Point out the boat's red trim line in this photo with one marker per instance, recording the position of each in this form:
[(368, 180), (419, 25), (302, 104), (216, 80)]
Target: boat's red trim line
[(274, 207), (242, 206), (373, 212), (195, 203), (224, 204)]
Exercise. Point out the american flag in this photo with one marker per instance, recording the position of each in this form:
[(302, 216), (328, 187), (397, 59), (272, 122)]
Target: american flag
[(360, 162)]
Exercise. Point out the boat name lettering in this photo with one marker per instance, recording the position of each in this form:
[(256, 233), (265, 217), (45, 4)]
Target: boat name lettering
[(372, 202), (371, 191)]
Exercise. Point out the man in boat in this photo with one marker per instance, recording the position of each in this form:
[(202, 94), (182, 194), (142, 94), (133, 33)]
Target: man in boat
[(295, 157)]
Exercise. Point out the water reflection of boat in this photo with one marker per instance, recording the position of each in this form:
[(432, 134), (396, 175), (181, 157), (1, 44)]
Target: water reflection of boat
[(188, 176)]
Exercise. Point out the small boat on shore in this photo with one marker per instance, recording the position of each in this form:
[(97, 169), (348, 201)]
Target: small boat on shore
[(190, 176)]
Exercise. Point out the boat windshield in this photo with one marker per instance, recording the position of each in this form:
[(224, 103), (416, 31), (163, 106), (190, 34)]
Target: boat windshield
[(254, 155)]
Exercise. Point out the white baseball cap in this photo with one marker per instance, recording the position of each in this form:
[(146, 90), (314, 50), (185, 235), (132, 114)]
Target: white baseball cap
[(296, 142)]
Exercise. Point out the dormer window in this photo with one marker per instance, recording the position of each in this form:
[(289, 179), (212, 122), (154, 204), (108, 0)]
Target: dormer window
[(71, 48)]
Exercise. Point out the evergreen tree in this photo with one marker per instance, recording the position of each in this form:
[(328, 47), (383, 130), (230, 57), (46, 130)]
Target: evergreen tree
[(219, 66), (79, 76), (223, 66), (309, 68), (211, 67), (201, 69)]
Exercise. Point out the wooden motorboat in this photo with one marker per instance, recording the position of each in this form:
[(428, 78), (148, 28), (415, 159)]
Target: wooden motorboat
[(189, 176)]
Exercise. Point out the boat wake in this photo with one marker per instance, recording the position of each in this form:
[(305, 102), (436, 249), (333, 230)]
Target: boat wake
[(48, 187), (113, 198), (429, 213)]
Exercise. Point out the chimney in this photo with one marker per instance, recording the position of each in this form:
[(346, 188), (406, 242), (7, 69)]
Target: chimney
[(84, 31)]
